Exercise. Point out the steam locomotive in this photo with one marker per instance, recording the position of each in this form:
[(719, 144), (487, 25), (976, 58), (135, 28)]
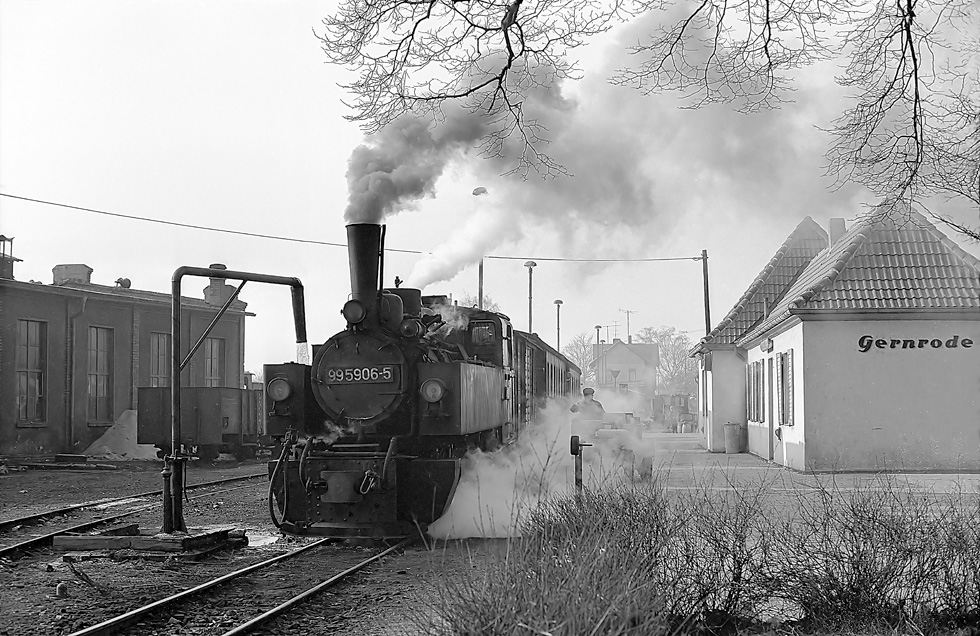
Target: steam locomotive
[(372, 434)]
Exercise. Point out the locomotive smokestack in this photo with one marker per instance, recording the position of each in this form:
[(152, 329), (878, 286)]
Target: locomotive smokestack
[(364, 252)]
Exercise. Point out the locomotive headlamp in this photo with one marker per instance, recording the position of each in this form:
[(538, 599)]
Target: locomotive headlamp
[(410, 328), (432, 390), (279, 389), (354, 311)]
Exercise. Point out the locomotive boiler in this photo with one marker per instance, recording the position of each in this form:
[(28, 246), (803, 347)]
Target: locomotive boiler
[(373, 432)]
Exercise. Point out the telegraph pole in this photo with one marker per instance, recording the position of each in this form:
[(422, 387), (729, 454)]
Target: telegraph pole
[(707, 308), (629, 340)]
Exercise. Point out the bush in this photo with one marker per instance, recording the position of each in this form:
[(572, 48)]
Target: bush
[(625, 559)]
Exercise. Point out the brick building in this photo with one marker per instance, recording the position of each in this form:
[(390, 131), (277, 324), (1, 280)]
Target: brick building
[(73, 352)]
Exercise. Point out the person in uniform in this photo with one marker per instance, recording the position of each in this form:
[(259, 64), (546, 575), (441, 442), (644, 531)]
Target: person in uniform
[(588, 408)]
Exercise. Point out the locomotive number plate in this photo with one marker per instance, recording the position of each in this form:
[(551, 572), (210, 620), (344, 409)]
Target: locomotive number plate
[(360, 375)]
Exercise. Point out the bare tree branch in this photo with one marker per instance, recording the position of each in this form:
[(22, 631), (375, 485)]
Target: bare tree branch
[(485, 55), (912, 131)]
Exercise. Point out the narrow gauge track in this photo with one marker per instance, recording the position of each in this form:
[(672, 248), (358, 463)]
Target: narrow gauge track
[(6, 524), (207, 598), (37, 541)]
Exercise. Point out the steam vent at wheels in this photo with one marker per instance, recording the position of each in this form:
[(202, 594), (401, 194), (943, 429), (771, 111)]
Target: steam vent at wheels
[(853, 349)]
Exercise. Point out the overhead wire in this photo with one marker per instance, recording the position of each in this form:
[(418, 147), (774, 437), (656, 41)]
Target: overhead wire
[(207, 228)]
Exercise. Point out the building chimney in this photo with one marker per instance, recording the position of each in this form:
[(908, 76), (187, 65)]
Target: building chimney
[(72, 273), (837, 229), (217, 292), (7, 259)]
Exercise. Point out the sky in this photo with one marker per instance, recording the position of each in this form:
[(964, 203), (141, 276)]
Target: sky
[(226, 115)]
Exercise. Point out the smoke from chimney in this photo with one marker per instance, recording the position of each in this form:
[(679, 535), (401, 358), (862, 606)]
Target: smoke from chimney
[(399, 165)]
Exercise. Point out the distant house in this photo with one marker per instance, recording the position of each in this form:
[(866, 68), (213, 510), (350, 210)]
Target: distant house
[(857, 350), (627, 368), (72, 353)]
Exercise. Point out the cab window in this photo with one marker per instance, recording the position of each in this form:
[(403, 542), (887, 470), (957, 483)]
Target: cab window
[(482, 333)]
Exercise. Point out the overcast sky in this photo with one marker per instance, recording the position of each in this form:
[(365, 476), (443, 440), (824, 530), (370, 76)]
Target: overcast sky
[(225, 114)]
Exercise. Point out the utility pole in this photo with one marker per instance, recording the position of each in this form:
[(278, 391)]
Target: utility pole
[(480, 286), (629, 339), (707, 308)]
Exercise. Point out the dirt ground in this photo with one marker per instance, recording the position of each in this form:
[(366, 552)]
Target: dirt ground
[(379, 602)]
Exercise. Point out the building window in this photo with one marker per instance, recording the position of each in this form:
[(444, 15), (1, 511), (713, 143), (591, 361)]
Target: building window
[(632, 374), (99, 374), (160, 359), (754, 391), (214, 362), (784, 388), (31, 359)]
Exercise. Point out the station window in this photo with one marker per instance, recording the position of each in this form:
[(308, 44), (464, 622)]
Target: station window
[(784, 388), (31, 359), (99, 374), (754, 391), (160, 359), (214, 362)]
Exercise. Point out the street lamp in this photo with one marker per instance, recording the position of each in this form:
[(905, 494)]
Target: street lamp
[(558, 325), (477, 192), (530, 265)]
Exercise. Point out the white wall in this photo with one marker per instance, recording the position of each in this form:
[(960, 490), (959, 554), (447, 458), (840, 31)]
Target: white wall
[(788, 447), (726, 393), (916, 408)]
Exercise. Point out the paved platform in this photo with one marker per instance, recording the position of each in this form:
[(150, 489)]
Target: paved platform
[(684, 465)]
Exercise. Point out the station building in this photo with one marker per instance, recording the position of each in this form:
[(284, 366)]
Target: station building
[(853, 349), (73, 352)]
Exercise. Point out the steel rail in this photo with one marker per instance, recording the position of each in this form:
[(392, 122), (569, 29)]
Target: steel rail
[(245, 628), (29, 519), (122, 621), (88, 525)]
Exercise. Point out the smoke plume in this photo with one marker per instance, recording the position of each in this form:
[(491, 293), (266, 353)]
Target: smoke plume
[(399, 165)]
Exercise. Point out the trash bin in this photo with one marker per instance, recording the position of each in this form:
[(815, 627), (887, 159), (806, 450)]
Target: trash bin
[(733, 438)]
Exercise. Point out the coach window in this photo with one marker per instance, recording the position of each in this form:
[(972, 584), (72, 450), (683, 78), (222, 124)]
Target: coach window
[(31, 360)]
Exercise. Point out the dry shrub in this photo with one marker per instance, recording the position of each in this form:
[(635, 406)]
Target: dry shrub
[(639, 559)]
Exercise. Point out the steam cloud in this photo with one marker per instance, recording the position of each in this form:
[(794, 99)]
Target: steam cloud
[(497, 489)]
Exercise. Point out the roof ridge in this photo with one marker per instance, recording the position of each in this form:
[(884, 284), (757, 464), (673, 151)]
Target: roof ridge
[(861, 233), (763, 275), (947, 242)]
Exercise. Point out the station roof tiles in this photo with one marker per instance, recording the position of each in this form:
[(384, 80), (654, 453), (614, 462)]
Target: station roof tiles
[(884, 264), (792, 257)]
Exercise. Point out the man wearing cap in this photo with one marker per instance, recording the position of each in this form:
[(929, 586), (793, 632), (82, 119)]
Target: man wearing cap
[(589, 408)]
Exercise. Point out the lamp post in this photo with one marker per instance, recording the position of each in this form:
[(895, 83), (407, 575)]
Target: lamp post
[(558, 325), (477, 192), (530, 265)]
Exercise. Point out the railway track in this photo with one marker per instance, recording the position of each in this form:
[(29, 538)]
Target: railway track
[(18, 542), (272, 592)]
